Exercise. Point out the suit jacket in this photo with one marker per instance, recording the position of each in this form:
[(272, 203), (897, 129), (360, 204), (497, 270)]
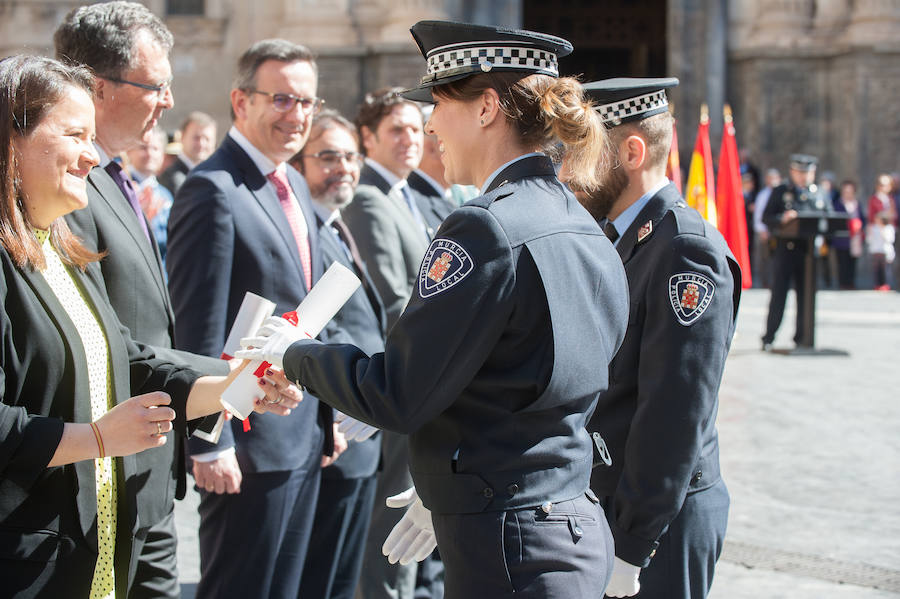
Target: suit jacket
[(132, 273), (389, 239), (228, 235), (432, 204), (362, 322), (658, 416), (48, 541), (173, 177)]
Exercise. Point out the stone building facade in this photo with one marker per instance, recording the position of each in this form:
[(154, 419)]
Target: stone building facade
[(814, 76)]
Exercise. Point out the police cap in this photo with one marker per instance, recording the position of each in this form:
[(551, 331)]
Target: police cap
[(803, 162), (625, 99), (454, 51)]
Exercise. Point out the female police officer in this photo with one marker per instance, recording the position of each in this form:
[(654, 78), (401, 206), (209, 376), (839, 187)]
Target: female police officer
[(503, 349)]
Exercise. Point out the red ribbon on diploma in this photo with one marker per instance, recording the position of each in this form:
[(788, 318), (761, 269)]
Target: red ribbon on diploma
[(260, 372)]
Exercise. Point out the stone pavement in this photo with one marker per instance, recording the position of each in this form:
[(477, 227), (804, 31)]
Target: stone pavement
[(810, 452)]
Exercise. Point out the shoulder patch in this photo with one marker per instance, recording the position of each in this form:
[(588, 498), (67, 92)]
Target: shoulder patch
[(690, 294), (446, 263)]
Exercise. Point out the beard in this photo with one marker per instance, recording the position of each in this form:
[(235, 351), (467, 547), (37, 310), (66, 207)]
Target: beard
[(600, 202), (337, 197)]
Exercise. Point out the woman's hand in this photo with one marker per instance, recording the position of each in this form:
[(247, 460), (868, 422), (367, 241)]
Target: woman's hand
[(136, 424), (281, 395)]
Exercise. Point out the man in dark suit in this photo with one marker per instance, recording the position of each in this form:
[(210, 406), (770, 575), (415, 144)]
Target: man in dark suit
[(654, 428), (392, 231), (330, 161), (127, 48), (243, 221), (198, 140)]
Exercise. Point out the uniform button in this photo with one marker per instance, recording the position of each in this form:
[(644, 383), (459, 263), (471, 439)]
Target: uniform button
[(578, 531), (697, 476), (547, 507), (488, 492), (512, 489)]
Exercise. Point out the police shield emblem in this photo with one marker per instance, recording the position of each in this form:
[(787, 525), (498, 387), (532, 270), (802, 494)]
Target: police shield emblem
[(690, 294), (446, 263)]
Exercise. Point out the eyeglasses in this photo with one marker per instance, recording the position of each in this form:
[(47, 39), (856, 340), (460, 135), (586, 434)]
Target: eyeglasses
[(286, 102), (331, 159), (159, 89)]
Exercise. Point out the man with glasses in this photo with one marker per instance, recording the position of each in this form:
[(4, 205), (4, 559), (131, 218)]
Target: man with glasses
[(127, 48), (330, 162), (243, 221)]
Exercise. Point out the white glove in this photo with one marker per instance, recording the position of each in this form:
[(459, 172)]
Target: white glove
[(624, 580), (412, 539), (353, 429), (272, 339)]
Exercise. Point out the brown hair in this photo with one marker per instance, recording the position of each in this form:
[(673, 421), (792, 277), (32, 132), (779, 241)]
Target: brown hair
[(30, 87), (202, 119), (545, 110), (656, 130), (324, 120), (377, 105)]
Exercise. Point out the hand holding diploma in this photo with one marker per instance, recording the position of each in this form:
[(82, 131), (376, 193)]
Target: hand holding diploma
[(277, 334)]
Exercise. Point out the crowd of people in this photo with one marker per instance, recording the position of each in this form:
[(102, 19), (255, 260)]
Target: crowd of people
[(518, 400), (859, 257)]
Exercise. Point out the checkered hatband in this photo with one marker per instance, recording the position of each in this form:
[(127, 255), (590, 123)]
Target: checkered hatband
[(460, 58), (618, 112)]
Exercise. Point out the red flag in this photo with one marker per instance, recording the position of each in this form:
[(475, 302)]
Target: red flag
[(700, 192), (673, 167), (730, 201)]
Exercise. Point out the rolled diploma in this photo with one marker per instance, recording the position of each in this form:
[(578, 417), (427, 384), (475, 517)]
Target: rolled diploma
[(253, 311), (319, 306)]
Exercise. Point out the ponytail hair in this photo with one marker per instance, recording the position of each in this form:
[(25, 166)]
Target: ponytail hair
[(545, 111)]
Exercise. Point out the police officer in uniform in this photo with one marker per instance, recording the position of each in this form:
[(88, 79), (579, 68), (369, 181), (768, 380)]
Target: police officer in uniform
[(498, 359), (796, 197), (657, 471)]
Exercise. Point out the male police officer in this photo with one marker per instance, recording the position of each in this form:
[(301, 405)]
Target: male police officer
[(654, 427), (797, 196)]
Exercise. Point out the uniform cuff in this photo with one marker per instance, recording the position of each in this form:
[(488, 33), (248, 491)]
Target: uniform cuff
[(293, 357), (632, 549)]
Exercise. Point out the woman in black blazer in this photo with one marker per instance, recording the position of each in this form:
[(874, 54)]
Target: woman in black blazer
[(56, 421)]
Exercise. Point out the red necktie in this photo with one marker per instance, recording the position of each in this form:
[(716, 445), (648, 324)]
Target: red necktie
[(295, 220)]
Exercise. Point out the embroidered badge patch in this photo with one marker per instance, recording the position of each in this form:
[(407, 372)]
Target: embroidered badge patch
[(690, 294), (446, 263)]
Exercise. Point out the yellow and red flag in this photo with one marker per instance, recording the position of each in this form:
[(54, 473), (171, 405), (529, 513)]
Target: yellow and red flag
[(730, 200), (700, 192), (673, 166)]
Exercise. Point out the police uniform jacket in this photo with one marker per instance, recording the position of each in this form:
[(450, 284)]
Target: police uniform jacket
[(787, 196), (48, 536), (657, 418), (493, 367)]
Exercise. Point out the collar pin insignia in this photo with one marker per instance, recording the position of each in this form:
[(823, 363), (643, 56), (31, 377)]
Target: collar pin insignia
[(645, 231)]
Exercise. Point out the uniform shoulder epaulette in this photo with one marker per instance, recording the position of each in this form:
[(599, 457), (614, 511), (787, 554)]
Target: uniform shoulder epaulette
[(485, 201), (687, 220)]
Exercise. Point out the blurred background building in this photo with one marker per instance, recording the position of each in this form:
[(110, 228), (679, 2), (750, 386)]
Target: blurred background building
[(814, 76)]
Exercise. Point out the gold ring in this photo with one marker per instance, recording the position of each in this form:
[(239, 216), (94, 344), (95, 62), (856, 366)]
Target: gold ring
[(279, 400), (159, 432)]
